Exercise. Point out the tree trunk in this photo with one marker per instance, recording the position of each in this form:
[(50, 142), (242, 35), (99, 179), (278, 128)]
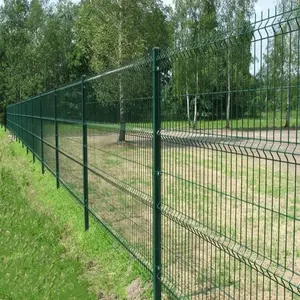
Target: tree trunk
[(288, 96), (122, 134), (187, 96), (195, 113), (228, 95), (287, 117), (195, 99), (188, 107)]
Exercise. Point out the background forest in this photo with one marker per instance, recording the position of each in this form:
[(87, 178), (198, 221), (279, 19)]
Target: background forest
[(44, 45)]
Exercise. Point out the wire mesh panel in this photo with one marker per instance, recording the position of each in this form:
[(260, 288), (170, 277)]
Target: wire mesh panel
[(69, 118), (48, 119), (190, 159), (36, 126), (230, 163), (118, 116)]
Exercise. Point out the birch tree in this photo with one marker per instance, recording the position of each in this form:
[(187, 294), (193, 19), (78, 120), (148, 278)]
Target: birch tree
[(194, 21), (112, 32), (233, 16)]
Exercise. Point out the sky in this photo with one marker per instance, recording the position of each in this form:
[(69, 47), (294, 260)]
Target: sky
[(261, 5)]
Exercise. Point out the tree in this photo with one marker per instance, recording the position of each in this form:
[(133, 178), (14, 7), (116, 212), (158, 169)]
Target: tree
[(15, 40), (195, 22), (112, 32), (280, 68), (234, 22), (37, 50), (58, 46)]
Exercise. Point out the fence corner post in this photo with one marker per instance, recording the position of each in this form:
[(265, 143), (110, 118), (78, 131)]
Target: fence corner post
[(85, 156), (156, 174), (56, 141)]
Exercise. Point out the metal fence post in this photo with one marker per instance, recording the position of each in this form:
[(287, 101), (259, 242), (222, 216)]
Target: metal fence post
[(5, 119), (27, 127), (156, 169), (85, 157), (32, 133), (42, 137), (56, 141), (19, 125)]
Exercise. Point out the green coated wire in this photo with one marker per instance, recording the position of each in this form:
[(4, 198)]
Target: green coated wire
[(222, 188)]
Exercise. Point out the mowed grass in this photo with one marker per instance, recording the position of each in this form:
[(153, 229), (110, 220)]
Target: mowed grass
[(44, 251), (263, 121), (248, 203)]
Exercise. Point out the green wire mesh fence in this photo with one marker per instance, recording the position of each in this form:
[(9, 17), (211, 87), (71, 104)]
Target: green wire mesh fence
[(189, 158)]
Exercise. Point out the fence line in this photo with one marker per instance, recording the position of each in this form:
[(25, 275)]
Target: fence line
[(189, 158)]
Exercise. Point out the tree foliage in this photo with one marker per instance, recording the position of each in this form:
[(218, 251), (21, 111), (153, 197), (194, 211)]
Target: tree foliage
[(45, 44)]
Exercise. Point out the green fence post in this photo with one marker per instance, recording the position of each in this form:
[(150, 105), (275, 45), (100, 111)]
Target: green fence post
[(56, 141), (156, 169), (5, 119), (18, 122), (85, 158), (32, 133), (42, 137), (26, 127)]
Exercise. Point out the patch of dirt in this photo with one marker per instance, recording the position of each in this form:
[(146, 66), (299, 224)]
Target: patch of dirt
[(91, 265), (101, 296), (134, 290)]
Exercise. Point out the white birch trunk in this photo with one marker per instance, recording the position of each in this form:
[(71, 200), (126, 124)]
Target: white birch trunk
[(188, 106), (122, 133), (195, 113), (228, 95), (195, 99), (287, 117)]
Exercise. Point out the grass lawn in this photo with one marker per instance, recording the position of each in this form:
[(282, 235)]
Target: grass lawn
[(223, 197), (249, 203), (264, 121), (44, 251)]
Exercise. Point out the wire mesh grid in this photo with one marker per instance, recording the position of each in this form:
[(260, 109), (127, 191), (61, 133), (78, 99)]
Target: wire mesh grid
[(229, 148), (230, 163)]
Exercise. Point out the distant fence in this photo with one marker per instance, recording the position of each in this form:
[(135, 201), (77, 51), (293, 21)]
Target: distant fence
[(190, 159)]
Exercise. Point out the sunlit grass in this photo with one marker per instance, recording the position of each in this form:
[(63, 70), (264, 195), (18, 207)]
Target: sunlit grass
[(44, 251)]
